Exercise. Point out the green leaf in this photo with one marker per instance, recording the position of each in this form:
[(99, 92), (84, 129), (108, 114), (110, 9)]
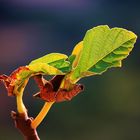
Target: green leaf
[(62, 65), (103, 48), (51, 64), (72, 58), (57, 60), (44, 68), (77, 52), (49, 58)]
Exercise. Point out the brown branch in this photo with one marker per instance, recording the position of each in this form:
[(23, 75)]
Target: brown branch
[(23, 124)]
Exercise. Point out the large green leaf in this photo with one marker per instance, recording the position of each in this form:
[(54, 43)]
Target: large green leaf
[(103, 48), (113, 59)]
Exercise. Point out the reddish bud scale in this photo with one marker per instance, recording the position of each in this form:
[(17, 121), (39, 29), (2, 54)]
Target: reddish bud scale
[(10, 81), (50, 93)]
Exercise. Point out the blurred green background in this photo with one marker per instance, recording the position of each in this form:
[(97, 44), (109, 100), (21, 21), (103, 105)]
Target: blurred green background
[(109, 108)]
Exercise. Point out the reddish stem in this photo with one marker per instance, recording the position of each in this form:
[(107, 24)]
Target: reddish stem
[(23, 124)]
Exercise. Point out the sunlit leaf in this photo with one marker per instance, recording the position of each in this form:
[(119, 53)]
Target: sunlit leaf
[(57, 60), (49, 58), (44, 68), (61, 65), (77, 52), (103, 48)]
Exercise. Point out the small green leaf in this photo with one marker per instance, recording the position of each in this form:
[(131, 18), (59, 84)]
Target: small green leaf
[(51, 64), (44, 68), (77, 52), (56, 60), (50, 58), (62, 65), (103, 48)]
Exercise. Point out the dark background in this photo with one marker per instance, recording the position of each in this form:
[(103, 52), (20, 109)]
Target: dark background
[(109, 108)]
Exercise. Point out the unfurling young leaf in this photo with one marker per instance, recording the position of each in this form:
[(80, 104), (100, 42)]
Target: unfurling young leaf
[(57, 60), (49, 58), (51, 64), (102, 48)]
